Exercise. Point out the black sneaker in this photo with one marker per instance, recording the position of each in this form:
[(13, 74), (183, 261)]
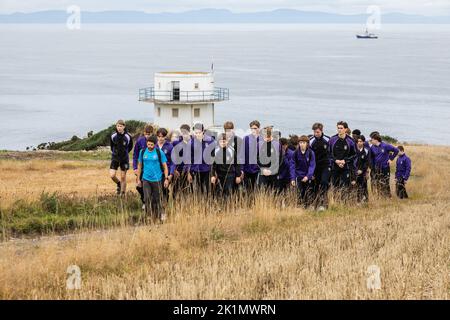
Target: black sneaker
[(119, 188)]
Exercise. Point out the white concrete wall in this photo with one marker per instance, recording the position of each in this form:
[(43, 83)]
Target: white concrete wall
[(185, 115), (163, 82)]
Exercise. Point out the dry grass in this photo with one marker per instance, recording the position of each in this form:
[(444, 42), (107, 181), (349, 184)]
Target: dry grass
[(26, 180), (264, 252)]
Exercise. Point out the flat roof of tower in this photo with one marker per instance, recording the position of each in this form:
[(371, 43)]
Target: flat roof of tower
[(183, 72)]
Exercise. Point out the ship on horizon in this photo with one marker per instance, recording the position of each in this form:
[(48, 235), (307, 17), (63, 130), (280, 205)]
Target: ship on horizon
[(367, 35)]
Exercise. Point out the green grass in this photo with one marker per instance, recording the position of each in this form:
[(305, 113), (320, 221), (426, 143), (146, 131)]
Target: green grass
[(57, 213), (80, 155)]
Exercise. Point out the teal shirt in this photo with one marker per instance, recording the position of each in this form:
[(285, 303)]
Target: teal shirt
[(152, 169)]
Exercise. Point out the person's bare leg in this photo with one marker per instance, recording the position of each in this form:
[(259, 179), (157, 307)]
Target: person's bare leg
[(123, 181), (113, 175)]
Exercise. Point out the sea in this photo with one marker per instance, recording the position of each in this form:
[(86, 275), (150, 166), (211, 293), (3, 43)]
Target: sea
[(56, 82)]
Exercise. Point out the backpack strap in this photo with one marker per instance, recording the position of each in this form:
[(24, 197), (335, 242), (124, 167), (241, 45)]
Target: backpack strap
[(158, 152), (141, 155)]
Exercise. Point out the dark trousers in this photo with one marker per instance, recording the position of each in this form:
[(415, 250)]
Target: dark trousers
[(250, 180), (165, 191), (153, 198), (225, 185), (321, 184), (362, 190), (340, 179), (400, 189), (140, 190), (268, 182), (180, 184), (382, 182), (305, 192), (283, 185), (201, 182)]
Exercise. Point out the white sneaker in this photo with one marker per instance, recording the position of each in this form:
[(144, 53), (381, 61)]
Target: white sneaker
[(321, 209), (143, 207), (163, 217)]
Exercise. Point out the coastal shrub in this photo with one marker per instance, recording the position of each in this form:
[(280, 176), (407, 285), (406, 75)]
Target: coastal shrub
[(93, 141)]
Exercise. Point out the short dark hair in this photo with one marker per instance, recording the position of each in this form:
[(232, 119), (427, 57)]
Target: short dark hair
[(268, 131), (360, 137), (198, 126), (185, 127), (222, 136), (377, 137), (228, 125), (303, 139), (317, 125), (293, 138), (162, 131), (148, 129), (401, 148), (152, 139), (373, 133), (342, 123), (255, 123), (356, 132), (284, 141)]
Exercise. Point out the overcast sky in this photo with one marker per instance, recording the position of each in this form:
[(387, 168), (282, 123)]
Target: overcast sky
[(424, 7)]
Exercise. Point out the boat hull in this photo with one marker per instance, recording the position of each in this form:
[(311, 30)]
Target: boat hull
[(366, 37)]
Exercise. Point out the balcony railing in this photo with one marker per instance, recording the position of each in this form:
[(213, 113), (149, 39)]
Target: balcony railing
[(177, 96)]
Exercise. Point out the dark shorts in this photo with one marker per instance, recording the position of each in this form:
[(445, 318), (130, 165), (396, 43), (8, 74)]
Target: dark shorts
[(115, 164)]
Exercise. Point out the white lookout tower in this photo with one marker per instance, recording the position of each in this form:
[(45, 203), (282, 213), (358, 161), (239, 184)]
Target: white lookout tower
[(183, 97)]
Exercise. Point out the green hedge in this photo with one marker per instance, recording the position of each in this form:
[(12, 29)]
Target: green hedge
[(100, 139)]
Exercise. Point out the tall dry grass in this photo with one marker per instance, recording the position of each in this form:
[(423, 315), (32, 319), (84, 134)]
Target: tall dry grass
[(261, 250)]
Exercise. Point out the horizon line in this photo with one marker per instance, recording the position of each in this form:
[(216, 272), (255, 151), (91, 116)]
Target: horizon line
[(233, 12)]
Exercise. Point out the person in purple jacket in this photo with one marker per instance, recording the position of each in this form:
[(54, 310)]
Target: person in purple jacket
[(250, 167), (141, 144), (181, 161), (286, 175), (165, 146), (304, 164), (382, 155), (202, 153), (402, 172), (342, 154)]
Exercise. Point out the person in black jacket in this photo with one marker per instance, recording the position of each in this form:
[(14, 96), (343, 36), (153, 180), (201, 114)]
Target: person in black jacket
[(362, 163), (319, 144), (237, 144), (342, 151), (268, 160), (225, 170), (121, 145)]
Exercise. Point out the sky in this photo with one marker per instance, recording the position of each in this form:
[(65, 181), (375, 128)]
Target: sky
[(423, 7)]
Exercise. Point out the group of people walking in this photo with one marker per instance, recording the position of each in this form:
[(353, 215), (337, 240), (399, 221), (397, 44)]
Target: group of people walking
[(218, 164)]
